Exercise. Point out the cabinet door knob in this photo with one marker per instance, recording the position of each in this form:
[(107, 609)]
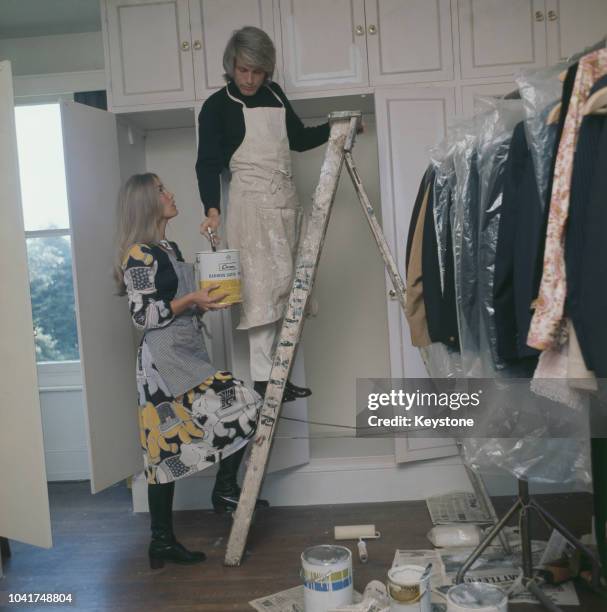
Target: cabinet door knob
[(553, 15), (392, 294), (539, 15), (185, 45), (372, 29), (197, 45), (359, 30)]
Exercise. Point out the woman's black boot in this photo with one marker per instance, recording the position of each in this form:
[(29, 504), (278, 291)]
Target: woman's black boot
[(226, 491), (164, 546)]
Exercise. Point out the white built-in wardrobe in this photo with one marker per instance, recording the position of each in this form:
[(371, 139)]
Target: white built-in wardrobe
[(420, 64)]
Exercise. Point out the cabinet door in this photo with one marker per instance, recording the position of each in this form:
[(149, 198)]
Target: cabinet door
[(324, 44), (105, 336), (409, 40), (498, 38), (148, 52), (213, 22), (409, 121), (574, 25), (24, 509), (471, 94)]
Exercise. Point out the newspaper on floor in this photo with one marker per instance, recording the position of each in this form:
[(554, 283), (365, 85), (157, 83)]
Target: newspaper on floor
[(456, 507), (558, 546), (561, 595), (494, 567), (290, 600)]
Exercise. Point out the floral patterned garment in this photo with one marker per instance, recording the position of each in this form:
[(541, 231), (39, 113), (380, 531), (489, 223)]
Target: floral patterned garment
[(180, 435), (547, 321)]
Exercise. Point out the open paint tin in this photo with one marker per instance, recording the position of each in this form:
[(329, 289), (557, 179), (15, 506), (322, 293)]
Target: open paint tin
[(407, 590), (327, 575)]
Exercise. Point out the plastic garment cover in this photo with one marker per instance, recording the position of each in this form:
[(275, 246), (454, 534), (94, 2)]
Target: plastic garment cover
[(468, 166), (537, 457), (495, 127), (437, 256), (540, 92), (562, 461), (444, 184), (464, 218)]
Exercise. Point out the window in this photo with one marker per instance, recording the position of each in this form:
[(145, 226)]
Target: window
[(47, 230)]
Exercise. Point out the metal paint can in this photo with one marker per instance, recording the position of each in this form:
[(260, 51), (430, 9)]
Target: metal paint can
[(406, 590), (220, 268), (476, 597), (327, 576)]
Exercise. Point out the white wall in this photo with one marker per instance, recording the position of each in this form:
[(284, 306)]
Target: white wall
[(54, 54), (65, 447), (172, 155)]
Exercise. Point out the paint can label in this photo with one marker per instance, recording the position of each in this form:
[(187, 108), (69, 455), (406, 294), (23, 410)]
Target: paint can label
[(220, 268), (318, 581)]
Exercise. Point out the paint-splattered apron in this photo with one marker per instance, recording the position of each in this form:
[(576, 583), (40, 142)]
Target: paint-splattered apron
[(264, 215)]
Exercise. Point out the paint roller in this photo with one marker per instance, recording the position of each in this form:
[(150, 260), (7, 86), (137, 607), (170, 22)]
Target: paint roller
[(360, 533)]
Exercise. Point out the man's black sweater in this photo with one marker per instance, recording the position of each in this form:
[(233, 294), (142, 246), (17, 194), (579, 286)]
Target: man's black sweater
[(221, 130)]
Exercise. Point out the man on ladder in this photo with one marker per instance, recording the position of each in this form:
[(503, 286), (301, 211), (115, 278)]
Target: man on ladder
[(250, 127)]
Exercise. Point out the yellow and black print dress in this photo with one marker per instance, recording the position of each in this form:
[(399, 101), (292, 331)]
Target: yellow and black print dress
[(186, 432)]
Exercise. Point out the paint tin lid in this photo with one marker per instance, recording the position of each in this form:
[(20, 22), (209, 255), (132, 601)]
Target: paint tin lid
[(326, 554), (476, 595)]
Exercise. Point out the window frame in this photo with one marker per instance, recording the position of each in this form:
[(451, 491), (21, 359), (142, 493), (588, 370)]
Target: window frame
[(53, 376)]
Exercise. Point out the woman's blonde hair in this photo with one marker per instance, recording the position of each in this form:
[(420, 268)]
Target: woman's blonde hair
[(139, 211), (253, 47)]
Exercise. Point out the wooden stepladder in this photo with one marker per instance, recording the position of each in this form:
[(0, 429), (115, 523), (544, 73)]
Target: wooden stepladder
[(344, 127)]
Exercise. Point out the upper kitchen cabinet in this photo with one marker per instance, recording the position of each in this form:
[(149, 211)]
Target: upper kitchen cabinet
[(498, 38), (573, 25), (409, 41), (212, 23), (148, 52), (324, 44), (167, 53)]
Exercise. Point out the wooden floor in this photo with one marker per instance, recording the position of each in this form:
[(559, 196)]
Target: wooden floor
[(99, 552)]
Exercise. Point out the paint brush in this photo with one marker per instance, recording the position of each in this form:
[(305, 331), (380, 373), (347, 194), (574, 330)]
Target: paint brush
[(212, 239), (426, 572)]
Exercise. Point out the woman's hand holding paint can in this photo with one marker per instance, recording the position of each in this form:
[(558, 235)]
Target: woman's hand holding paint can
[(204, 301)]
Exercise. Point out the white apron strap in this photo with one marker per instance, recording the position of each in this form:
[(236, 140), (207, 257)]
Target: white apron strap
[(235, 99)]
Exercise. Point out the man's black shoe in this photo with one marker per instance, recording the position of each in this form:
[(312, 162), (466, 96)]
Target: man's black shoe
[(260, 387)]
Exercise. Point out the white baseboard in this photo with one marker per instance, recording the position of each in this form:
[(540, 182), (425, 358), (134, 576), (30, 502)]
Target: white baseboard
[(67, 465), (330, 481)]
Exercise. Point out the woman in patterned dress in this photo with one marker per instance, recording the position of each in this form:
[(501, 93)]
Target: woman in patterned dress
[(190, 414)]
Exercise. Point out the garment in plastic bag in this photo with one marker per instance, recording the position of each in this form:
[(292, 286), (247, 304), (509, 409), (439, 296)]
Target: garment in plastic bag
[(541, 91), (495, 127), (464, 226), (469, 163)]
